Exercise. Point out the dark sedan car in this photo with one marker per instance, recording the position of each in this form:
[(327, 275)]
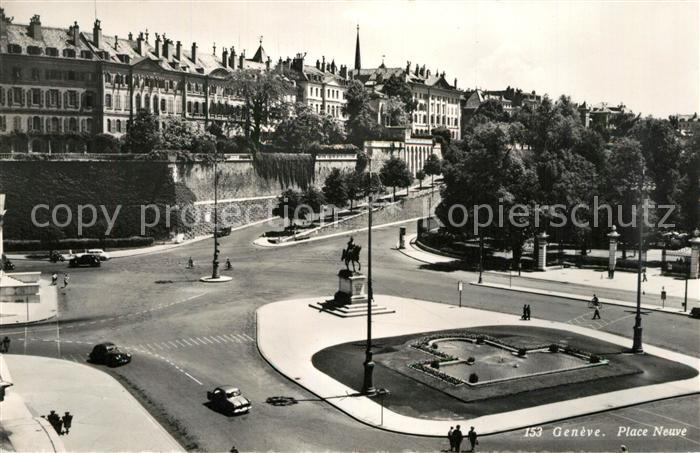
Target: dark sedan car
[(227, 398), (85, 260), (109, 354)]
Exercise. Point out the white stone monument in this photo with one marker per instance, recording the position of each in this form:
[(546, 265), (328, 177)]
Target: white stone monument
[(613, 236), (542, 251)]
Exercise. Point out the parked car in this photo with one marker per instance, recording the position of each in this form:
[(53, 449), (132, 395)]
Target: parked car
[(55, 257), (224, 231), (101, 254), (228, 399), (108, 354), (84, 260)]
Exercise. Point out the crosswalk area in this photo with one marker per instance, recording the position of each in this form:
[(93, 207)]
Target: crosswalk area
[(192, 342), (585, 320)]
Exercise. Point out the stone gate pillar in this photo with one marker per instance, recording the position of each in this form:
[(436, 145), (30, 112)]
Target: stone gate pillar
[(541, 264), (694, 254), (613, 236)]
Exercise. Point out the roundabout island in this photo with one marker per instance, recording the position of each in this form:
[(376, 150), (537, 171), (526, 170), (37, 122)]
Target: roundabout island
[(442, 365)]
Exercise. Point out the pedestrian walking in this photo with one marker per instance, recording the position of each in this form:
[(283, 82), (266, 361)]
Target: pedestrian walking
[(527, 312), (471, 435), (644, 274), (458, 437), (5, 344), (67, 421), (66, 279), (663, 296), (524, 317), (55, 421), (596, 312), (190, 263), (229, 266), (450, 438), (54, 279)]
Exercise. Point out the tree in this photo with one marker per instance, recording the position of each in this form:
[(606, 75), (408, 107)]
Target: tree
[(287, 204), (689, 187), (355, 184), (394, 173), (142, 133), (335, 188), (490, 173), (442, 134), (398, 88), (361, 124), (420, 176), (306, 128), (50, 237), (313, 199), (263, 94), (622, 180), (179, 134), (396, 112), (662, 153), (432, 167)]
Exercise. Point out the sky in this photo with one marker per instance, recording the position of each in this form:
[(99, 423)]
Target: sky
[(645, 54)]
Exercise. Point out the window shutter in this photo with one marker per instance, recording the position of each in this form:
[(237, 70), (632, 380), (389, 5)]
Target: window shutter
[(29, 123), (22, 97), (65, 99), (58, 99), (2, 96), (9, 96), (41, 98)]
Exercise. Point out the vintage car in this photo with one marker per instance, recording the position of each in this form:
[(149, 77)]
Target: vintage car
[(101, 254), (108, 354), (228, 399), (84, 260)]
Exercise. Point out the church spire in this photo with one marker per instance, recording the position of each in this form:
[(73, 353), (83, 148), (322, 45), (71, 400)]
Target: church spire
[(358, 63)]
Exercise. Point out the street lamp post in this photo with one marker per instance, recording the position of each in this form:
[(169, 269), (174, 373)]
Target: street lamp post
[(481, 258), (637, 341), (215, 261), (367, 383)]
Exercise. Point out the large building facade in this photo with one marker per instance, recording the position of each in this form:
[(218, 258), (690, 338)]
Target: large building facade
[(63, 81)]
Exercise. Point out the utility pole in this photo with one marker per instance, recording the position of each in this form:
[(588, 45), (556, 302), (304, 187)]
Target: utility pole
[(637, 341), (367, 383)]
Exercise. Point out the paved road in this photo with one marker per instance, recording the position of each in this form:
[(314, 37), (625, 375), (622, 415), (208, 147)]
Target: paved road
[(187, 336)]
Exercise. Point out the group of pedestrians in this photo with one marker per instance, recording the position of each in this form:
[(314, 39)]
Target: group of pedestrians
[(190, 264), (526, 312), (63, 424), (456, 437), (54, 279), (5, 344)]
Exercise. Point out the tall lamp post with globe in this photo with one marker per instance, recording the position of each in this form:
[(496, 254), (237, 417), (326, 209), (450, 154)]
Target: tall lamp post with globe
[(368, 380)]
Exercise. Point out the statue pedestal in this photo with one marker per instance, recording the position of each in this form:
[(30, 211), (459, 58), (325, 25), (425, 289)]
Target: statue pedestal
[(351, 298), (352, 288)]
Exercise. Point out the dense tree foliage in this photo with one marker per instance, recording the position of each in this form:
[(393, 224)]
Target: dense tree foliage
[(335, 188), (306, 128), (142, 133), (395, 173)]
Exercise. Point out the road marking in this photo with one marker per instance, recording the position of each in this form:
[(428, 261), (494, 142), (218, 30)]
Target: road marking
[(214, 338), (222, 338), (667, 418), (173, 344), (243, 339), (188, 343), (192, 377), (178, 342), (249, 337), (650, 426), (205, 339)]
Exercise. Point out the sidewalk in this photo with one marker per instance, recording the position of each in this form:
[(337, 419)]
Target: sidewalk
[(675, 289), (25, 430), (289, 334), (106, 416), (21, 313), (156, 248)]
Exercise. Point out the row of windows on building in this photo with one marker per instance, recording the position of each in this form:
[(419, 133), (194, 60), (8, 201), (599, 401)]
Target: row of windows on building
[(331, 93), (53, 98), (49, 51), (438, 120), (334, 110), (38, 124), (34, 74)]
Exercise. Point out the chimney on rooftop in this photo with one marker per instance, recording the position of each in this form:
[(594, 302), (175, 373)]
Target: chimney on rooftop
[(224, 58), (343, 71), (268, 63), (241, 57), (139, 44), (3, 26), (455, 82), (131, 36), (157, 45), (408, 67), (232, 58), (35, 27), (97, 34), (323, 64), (318, 64), (178, 51), (193, 55), (167, 48)]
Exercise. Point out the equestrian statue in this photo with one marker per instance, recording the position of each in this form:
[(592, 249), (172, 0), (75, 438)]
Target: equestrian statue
[(351, 255)]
